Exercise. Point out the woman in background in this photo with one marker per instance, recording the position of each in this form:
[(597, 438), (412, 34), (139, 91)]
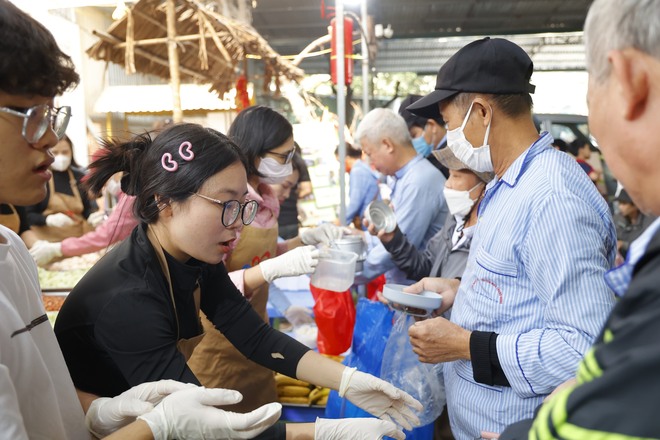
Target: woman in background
[(66, 211)]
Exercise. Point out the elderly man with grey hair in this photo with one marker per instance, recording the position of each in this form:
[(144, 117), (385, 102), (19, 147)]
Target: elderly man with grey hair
[(616, 393), (417, 198)]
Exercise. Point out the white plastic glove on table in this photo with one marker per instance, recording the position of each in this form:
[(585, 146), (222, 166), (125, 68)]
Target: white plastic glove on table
[(43, 251), (326, 234), (59, 220), (106, 415), (298, 261), (379, 398), (190, 414), (356, 429), (96, 218)]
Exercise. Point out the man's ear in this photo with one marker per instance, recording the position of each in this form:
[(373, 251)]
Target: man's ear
[(631, 76), (388, 145), (483, 109)]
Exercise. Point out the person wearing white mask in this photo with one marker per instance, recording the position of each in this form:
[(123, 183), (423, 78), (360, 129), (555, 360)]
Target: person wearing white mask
[(66, 211), (446, 253), (532, 298), (115, 228), (266, 138)]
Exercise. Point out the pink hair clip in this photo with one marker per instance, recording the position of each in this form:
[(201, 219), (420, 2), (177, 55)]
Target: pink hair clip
[(186, 153)]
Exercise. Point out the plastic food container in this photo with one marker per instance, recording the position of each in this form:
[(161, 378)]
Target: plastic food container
[(416, 304), (335, 271), (381, 216)]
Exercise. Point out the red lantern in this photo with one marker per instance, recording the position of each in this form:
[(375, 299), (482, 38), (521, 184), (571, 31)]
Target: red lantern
[(242, 99), (348, 51)]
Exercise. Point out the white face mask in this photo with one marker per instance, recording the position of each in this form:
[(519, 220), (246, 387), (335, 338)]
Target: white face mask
[(459, 202), (61, 162), (477, 159), (273, 171)]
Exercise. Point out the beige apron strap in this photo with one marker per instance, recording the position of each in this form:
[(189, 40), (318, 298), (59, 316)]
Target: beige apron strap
[(185, 346), (11, 221)]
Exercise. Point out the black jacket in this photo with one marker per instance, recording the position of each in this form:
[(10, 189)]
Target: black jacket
[(619, 390)]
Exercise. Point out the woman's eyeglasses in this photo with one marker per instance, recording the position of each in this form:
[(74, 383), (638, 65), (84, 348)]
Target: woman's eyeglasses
[(37, 119), (287, 157), (231, 210)]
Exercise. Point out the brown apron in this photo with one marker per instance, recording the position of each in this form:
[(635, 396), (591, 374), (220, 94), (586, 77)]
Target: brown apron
[(185, 346), (11, 221), (66, 204), (216, 362)]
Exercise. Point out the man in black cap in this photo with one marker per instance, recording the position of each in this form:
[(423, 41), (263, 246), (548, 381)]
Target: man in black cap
[(532, 298), (428, 134)]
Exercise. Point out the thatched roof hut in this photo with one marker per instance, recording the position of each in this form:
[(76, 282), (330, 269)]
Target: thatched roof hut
[(211, 47)]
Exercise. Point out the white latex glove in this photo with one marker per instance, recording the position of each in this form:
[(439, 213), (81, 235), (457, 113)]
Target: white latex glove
[(106, 415), (43, 252), (59, 220), (326, 234), (96, 218), (298, 261), (379, 398), (356, 429), (191, 414)]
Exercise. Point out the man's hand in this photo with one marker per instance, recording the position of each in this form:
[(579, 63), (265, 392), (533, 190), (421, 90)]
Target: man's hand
[(384, 237), (438, 340), (447, 287)]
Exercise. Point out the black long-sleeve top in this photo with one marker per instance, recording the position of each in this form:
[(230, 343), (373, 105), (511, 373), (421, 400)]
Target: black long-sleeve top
[(35, 213), (117, 328)]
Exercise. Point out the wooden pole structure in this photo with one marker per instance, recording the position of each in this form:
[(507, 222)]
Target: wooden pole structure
[(173, 57)]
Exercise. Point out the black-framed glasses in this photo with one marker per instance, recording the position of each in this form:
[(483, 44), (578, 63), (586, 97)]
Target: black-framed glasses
[(231, 209), (37, 119), (288, 156)]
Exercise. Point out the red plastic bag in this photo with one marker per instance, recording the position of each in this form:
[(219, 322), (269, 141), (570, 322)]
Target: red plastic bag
[(334, 313), (374, 287)]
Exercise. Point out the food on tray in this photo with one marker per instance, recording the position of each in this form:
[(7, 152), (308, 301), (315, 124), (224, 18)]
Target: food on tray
[(50, 279), (294, 391), (53, 303)]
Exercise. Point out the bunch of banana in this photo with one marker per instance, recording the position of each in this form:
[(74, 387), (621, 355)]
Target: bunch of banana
[(319, 396), (291, 390)]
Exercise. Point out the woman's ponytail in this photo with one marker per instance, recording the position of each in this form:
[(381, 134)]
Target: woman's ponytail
[(117, 157)]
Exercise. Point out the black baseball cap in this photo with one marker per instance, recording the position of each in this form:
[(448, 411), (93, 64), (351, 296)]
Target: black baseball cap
[(490, 65)]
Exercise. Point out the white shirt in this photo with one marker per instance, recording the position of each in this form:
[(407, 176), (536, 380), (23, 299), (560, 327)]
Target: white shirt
[(37, 397)]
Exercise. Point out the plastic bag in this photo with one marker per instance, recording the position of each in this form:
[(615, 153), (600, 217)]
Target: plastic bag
[(402, 368), (335, 318), (373, 325)]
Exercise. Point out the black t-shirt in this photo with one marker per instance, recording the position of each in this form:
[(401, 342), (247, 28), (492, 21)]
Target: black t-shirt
[(117, 328)]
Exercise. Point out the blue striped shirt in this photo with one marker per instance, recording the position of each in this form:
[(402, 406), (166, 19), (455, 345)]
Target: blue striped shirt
[(543, 242)]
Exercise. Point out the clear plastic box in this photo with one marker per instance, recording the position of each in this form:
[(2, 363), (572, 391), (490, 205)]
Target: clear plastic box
[(335, 271)]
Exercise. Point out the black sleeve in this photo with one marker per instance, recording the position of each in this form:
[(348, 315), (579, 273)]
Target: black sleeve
[(485, 362), (406, 257), (35, 213), (234, 317)]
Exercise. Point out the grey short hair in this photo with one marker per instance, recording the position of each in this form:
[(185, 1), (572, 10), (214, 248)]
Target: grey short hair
[(620, 24), (382, 123)]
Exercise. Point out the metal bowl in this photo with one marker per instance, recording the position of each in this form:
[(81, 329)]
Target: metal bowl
[(351, 243), (381, 216)]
